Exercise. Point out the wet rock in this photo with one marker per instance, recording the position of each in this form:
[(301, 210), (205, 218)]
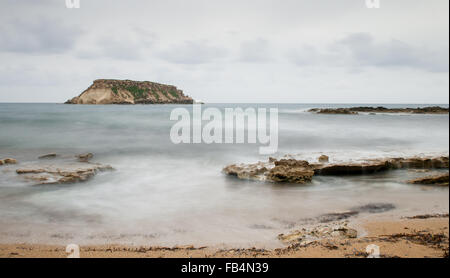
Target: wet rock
[(301, 171), (247, 171), (441, 179), (291, 163), (284, 170), (48, 156), (85, 157), (323, 158), (380, 165), (290, 174), (352, 168), (419, 163), (62, 174), (8, 161)]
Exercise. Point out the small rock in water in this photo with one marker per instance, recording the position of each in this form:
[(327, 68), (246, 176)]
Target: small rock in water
[(8, 161), (85, 157), (440, 179), (62, 174), (47, 156), (324, 158)]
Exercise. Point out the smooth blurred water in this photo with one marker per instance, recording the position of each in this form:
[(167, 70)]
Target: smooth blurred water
[(162, 193)]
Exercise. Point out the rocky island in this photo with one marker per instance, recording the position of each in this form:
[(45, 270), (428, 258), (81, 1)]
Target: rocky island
[(111, 91)]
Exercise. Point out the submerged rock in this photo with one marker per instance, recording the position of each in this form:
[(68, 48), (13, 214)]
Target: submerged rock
[(48, 156), (441, 179), (336, 216), (85, 157), (374, 207), (62, 173)]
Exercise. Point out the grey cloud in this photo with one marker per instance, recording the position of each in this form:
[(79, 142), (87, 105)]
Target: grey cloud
[(304, 55), (360, 50), (364, 51), (40, 36), (255, 51), (132, 45), (193, 52)]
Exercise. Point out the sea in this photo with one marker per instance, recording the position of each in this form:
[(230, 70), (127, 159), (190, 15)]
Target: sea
[(167, 194)]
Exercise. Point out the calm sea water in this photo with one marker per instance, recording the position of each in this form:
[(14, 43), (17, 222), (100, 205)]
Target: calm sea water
[(167, 194)]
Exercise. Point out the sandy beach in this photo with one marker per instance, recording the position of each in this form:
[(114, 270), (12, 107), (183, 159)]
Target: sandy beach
[(421, 236)]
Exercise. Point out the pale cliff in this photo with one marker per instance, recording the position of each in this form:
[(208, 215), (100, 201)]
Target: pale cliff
[(111, 91)]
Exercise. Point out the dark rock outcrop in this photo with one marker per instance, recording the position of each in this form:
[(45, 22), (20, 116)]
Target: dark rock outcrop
[(343, 111), (441, 179), (381, 109)]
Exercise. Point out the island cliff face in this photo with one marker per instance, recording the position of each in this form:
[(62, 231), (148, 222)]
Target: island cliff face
[(111, 91)]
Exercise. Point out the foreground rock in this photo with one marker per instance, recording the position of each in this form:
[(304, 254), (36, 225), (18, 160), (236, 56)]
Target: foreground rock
[(301, 171), (441, 179), (62, 173), (284, 170), (291, 170), (8, 161), (110, 91), (306, 236), (381, 109)]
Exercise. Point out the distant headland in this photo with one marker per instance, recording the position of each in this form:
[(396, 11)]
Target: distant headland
[(381, 109), (111, 91)]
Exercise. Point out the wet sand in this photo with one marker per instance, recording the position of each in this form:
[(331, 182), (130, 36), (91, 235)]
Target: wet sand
[(407, 237)]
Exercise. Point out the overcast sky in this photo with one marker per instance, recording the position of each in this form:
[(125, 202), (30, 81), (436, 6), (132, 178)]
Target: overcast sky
[(302, 51)]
